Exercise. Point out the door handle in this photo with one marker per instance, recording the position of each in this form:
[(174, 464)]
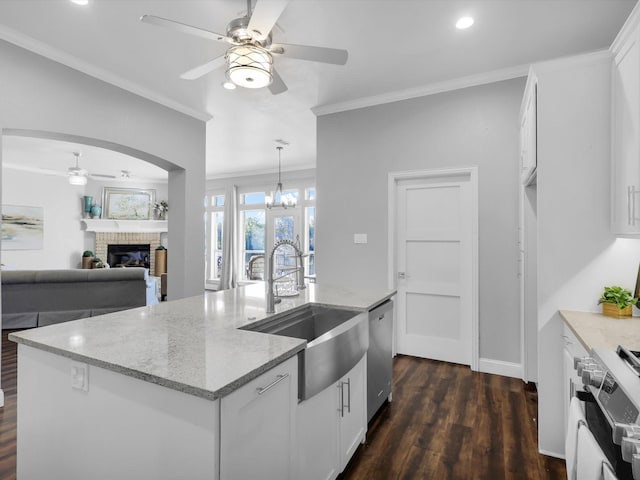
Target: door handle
[(401, 275)]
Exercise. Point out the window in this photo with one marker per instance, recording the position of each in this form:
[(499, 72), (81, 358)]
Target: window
[(262, 228), (258, 229), (214, 225), (253, 223)]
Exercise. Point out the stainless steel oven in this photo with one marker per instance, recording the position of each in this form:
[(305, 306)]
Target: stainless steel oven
[(612, 406)]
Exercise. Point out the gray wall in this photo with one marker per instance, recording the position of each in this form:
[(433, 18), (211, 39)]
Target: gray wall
[(357, 149), (44, 96)]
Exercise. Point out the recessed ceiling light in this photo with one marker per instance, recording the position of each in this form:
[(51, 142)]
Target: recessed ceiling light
[(229, 85), (80, 2), (464, 22)]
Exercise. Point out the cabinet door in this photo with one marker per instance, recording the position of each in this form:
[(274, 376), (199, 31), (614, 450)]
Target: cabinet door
[(528, 136), (317, 426), (625, 141), (572, 382), (257, 426), (352, 406)]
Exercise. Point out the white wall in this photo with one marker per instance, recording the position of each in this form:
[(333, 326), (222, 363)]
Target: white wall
[(63, 240), (44, 96), (577, 254), (357, 149)]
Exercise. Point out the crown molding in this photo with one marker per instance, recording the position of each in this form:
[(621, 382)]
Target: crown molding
[(431, 89), (630, 25), (47, 51), (572, 61), (263, 171)]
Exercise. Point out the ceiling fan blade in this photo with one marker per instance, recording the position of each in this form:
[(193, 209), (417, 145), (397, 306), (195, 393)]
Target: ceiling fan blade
[(182, 27), (277, 85), (265, 15), (100, 175), (314, 54), (201, 70)]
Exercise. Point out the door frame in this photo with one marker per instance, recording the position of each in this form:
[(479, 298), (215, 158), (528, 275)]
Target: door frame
[(392, 190)]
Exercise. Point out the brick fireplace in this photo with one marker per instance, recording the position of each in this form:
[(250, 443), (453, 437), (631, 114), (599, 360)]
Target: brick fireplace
[(104, 239)]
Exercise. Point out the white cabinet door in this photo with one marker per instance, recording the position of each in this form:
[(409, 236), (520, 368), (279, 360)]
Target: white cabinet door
[(317, 436), (352, 410), (331, 425), (572, 382), (625, 140), (257, 426), (528, 133)]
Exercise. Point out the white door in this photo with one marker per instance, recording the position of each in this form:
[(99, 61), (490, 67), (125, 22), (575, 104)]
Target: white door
[(284, 225), (436, 245)]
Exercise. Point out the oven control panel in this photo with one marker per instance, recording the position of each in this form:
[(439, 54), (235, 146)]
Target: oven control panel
[(615, 402)]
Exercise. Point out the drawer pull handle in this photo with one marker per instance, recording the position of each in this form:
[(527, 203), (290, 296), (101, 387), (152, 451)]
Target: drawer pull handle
[(278, 379)]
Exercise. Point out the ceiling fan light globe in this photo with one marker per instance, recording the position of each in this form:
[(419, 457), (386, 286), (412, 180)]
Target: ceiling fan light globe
[(249, 66), (75, 179)]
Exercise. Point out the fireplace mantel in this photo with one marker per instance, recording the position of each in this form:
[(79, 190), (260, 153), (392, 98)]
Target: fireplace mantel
[(124, 226)]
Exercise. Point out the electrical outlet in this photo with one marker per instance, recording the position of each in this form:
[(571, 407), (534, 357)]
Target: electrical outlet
[(80, 376)]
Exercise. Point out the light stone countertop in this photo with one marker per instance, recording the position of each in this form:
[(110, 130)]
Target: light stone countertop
[(595, 330), (192, 345)]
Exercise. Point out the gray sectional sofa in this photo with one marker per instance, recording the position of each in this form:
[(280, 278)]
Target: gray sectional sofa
[(35, 298)]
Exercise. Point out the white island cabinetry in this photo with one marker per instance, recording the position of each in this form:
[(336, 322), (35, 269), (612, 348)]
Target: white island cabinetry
[(79, 421), (182, 390), (331, 425), (257, 427)]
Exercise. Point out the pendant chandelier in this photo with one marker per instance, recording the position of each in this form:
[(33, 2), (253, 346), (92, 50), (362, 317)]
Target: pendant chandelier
[(279, 198)]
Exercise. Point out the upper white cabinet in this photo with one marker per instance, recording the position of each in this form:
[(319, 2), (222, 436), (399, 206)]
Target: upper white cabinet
[(625, 133), (528, 132), (257, 427)]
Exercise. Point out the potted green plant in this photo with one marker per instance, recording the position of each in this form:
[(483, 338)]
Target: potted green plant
[(98, 263), (87, 259), (617, 302)]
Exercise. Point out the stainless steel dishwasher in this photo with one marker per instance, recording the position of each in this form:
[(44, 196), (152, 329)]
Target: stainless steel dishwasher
[(379, 361)]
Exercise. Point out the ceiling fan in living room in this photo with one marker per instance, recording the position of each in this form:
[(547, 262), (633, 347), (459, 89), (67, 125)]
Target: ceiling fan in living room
[(79, 176), (249, 59)]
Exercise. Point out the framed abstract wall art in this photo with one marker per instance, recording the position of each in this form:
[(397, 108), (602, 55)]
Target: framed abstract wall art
[(22, 227), (128, 204)]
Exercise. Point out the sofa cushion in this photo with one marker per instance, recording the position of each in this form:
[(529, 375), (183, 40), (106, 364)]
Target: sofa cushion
[(20, 320), (49, 318), (61, 295)]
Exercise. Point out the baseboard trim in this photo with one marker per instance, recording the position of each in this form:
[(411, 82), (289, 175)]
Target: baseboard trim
[(1, 398), (498, 367), (551, 454)]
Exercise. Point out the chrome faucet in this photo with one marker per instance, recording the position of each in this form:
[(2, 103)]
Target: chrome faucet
[(299, 270)]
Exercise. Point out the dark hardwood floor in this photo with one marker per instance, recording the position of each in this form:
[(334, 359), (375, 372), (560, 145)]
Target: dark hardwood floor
[(445, 422), (8, 412)]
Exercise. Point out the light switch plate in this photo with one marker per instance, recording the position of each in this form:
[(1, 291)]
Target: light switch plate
[(359, 238), (80, 376)]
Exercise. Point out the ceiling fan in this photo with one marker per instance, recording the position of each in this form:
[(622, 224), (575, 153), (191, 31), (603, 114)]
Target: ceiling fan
[(249, 60), (78, 176)]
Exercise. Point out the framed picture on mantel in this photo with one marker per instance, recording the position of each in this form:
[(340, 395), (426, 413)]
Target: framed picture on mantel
[(128, 204)]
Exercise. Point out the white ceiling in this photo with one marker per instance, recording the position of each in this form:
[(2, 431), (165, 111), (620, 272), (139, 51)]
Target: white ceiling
[(397, 48)]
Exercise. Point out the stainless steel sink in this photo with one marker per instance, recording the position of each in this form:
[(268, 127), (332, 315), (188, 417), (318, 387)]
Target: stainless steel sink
[(337, 339)]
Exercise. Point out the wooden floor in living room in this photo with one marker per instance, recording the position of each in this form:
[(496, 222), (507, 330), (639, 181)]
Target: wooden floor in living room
[(445, 422)]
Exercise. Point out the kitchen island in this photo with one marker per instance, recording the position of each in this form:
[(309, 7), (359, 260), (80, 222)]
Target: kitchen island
[(141, 393)]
